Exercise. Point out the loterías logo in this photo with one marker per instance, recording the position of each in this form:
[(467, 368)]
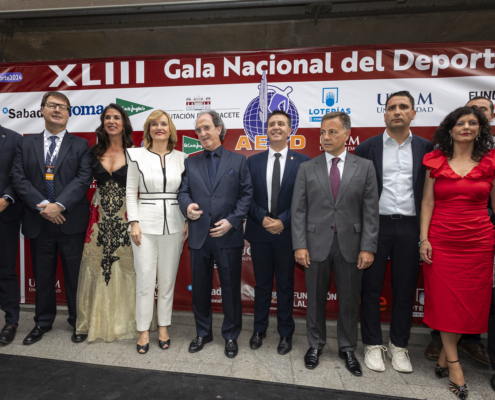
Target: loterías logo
[(270, 98)]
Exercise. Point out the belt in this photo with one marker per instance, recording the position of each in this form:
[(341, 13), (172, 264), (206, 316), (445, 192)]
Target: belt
[(157, 196), (396, 216)]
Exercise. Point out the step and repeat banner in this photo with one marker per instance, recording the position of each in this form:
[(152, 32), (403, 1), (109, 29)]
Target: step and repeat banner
[(244, 87)]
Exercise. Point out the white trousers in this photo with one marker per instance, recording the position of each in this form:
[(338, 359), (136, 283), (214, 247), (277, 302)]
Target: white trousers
[(157, 258)]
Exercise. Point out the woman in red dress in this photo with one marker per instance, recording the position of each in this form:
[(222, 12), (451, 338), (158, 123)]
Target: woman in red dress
[(457, 238)]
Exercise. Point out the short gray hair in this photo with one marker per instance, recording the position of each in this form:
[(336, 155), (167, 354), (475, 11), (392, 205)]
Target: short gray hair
[(217, 121), (345, 120)]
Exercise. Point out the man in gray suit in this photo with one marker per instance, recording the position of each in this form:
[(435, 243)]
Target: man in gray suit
[(335, 227)]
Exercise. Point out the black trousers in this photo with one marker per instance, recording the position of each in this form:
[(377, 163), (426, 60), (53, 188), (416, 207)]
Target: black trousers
[(229, 264), (44, 251), (9, 283), (269, 259), (398, 238), (491, 332)]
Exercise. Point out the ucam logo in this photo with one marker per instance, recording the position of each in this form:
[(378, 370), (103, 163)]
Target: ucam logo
[(329, 97), (424, 102), (191, 145)]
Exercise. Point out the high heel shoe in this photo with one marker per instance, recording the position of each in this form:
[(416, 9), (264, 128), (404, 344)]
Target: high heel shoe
[(441, 372), (145, 347), (162, 343), (459, 391)]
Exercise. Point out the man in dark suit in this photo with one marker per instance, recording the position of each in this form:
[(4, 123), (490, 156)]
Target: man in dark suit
[(397, 155), (268, 228), (51, 174), (10, 224), (334, 229), (215, 195)]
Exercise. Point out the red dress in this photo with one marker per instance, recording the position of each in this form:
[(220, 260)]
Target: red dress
[(458, 283)]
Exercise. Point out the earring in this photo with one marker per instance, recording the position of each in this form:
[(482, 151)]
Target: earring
[(477, 137)]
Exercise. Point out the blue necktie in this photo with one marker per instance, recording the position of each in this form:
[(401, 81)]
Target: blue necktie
[(212, 168), (50, 189)]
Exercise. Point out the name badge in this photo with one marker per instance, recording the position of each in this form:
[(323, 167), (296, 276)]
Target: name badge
[(49, 172)]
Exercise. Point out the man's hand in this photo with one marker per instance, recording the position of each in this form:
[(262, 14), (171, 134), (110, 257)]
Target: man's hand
[(193, 211), (51, 212), (3, 204), (274, 226), (222, 227), (302, 257), (365, 259)]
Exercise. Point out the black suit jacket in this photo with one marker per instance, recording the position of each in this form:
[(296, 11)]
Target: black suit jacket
[(9, 140), (372, 149), (73, 176)]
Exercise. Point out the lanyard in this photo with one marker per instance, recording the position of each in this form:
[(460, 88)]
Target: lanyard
[(55, 150)]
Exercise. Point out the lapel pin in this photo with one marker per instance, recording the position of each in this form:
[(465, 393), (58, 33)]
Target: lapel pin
[(292, 158)]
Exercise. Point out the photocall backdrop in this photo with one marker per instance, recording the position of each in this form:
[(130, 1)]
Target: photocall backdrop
[(307, 83)]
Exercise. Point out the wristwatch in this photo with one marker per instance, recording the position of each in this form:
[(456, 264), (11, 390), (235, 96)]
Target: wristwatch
[(8, 199)]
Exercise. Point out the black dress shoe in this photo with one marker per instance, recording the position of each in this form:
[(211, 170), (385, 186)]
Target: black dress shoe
[(78, 337), (284, 346), (311, 359), (231, 348), (256, 340), (198, 343), (36, 334), (351, 362), (492, 382), (8, 333)]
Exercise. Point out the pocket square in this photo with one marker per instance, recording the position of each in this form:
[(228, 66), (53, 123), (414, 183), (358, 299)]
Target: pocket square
[(231, 171)]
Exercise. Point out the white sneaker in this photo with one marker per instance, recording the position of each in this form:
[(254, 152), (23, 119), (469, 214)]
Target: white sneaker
[(400, 358), (373, 358)]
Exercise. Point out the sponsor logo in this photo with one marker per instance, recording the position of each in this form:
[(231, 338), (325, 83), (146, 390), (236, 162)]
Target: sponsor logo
[(216, 295), (189, 287), (489, 94), (191, 145), (418, 308), (132, 108), (86, 110), (198, 102), (248, 291), (246, 251), (424, 103), (300, 298), (13, 113), (10, 77), (330, 98)]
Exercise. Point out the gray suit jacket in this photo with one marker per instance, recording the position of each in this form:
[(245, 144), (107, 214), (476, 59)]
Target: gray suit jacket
[(314, 212)]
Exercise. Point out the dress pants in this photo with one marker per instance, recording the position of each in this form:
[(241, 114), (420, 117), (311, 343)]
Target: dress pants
[(9, 284), (491, 331), (229, 263), (44, 251), (348, 282), (269, 258), (398, 238), (157, 258)]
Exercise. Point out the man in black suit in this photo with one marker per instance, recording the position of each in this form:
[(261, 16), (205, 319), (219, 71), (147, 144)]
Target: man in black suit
[(268, 228), (215, 195), (397, 155), (10, 224), (51, 174)]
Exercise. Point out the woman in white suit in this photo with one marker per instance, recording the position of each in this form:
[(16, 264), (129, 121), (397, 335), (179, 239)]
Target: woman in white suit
[(158, 227)]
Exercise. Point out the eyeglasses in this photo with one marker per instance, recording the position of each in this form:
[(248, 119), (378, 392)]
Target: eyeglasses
[(53, 106)]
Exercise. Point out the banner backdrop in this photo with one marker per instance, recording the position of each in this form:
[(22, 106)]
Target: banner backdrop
[(307, 83)]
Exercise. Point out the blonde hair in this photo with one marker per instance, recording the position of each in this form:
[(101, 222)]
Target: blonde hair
[(148, 141)]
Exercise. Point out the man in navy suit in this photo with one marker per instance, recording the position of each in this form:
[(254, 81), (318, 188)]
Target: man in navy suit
[(10, 224), (397, 155), (215, 195), (51, 174), (273, 173)]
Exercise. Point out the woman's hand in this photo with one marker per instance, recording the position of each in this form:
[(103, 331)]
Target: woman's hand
[(136, 233), (185, 232), (425, 251)]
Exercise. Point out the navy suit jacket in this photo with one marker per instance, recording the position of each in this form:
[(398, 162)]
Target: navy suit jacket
[(372, 149), (9, 140), (73, 176), (254, 225), (229, 198)]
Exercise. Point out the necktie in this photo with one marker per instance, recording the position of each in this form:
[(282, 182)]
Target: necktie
[(335, 178), (50, 189), (212, 168), (275, 185)]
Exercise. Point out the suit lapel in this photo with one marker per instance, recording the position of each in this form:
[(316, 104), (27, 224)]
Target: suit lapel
[(321, 171), (263, 165), (350, 167), (289, 164), (222, 168), (64, 149), (203, 169), (3, 138), (39, 149), (378, 153), (417, 159)]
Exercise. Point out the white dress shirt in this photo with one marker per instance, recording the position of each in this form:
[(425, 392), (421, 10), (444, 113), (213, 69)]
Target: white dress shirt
[(340, 164), (397, 194), (269, 171)]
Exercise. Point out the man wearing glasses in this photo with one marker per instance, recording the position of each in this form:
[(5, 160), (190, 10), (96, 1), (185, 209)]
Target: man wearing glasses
[(51, 174)]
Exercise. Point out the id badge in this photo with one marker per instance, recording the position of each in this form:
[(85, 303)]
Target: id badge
[(49, 172)]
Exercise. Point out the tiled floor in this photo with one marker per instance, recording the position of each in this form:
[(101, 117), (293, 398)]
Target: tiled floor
[(262, 364)]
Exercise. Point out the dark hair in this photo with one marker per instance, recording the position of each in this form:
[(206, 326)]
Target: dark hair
[(482, 98), (217, 121), (280, 112), (55, 94), (483, 143), (402, 93), (103, 141), (345, 120)]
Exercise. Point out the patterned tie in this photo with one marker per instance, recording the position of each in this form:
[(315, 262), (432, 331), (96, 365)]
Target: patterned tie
[(212, 168), (50, 189), (335, 178)]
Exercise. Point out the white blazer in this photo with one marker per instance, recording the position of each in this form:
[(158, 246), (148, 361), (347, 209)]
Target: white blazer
[(158, 188)]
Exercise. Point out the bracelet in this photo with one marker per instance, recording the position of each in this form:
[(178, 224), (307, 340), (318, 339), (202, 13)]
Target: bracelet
[(421, 241)]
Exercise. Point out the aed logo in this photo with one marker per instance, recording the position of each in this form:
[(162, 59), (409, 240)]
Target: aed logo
[(297, 142), (424, 103)]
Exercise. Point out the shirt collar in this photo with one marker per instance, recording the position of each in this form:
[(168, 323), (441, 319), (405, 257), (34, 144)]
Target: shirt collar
[(387, 138), (217, 151), (283, 153), (60, 135), (329, 157)]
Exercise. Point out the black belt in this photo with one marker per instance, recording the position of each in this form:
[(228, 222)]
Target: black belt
[(397, 216)]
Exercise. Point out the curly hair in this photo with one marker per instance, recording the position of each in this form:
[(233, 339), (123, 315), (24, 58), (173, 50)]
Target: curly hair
[(483, 143), (103, 141)]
